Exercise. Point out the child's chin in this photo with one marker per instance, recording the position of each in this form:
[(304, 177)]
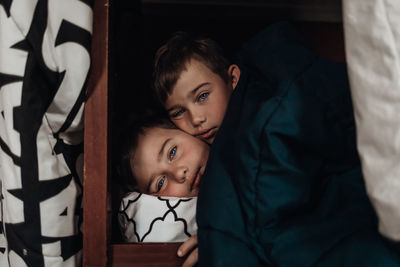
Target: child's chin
[(209, 140)]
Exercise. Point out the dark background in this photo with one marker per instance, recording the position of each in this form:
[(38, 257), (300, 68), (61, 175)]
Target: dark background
[(138, 28)]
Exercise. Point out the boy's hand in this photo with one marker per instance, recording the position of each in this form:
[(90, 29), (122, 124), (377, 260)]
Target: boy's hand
[(189, 245)]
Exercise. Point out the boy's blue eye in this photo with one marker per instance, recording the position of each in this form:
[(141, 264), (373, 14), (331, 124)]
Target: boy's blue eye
[(172, 153), (203, 96), (177, 113), (160, 184)]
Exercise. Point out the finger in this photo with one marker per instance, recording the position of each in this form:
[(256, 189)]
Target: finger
[(192, 258), (187, 246)]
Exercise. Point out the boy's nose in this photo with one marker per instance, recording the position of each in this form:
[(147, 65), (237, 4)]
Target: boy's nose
[(180, 174), (198, 118)]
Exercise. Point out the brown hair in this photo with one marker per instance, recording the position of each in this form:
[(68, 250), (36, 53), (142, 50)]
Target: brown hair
[(171, 59)]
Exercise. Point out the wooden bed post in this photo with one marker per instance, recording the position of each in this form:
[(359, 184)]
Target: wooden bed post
[(95, 221)]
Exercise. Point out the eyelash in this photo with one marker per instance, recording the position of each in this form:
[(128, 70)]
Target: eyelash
[(177, 113), (171, 155), (162, 181), (203, 96), (173, 150)]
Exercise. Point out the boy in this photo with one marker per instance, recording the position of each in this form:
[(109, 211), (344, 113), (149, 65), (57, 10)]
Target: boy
[(194, 82), (161, 160)]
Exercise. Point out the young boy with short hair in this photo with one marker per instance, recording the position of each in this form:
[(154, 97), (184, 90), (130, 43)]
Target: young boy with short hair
[(159, 159), (194, 82)]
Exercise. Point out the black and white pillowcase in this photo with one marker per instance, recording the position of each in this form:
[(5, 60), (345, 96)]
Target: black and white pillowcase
[(147, 218), (44, 65)]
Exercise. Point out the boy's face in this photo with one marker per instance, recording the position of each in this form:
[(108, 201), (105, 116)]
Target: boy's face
[(169, 162), (199, 99)]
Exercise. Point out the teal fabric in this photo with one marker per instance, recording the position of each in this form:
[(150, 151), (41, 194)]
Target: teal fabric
[(283, 185)]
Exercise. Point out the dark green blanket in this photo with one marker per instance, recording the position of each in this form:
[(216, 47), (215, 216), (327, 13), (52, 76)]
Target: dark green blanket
[(283, 185)]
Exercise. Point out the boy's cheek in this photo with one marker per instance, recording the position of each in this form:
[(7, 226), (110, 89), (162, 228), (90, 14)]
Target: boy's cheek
[(184, 125)]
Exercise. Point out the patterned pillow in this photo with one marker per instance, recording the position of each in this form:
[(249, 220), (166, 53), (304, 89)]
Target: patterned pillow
[(146, 218)]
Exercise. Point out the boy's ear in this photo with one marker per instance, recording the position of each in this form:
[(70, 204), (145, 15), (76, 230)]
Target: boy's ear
[(234, 75)]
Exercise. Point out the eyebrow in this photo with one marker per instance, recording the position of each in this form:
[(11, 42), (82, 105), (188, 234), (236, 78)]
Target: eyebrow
[(194, 91), (162, 148), (150, 182), (191, 94), (160, 153)]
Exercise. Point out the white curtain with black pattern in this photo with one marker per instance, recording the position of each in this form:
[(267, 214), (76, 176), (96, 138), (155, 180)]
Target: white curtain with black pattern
[(44, 65), (372, 37)]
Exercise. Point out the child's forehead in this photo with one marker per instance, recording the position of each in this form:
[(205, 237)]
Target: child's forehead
[(157, 136), (158, 131), (194, 64), (194, 69), (196, 61), (153, 141), (150, 141)]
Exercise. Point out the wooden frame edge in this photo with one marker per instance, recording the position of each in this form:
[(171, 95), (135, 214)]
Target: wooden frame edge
[(96, 145)]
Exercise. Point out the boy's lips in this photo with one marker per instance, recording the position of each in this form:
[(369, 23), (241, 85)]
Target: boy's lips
[(207, 134), (196, 180)]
